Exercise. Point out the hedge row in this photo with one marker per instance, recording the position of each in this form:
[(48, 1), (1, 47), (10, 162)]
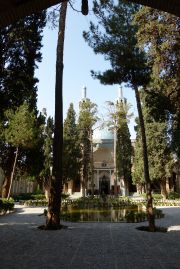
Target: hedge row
[(99, 202)]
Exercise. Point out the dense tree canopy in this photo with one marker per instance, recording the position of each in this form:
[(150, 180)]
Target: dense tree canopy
[(159, 152), (20, 46), (159, 35)]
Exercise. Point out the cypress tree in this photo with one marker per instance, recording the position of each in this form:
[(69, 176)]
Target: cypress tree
[(72, 151), (123, 148), (87, 118)]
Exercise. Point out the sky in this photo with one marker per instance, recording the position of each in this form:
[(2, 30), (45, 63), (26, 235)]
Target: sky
[(79, 59)]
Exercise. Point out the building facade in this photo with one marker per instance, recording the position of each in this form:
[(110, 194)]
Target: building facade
[(104, 179), (104, 175)]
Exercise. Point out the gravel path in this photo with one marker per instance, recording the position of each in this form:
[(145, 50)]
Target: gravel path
[(87, 245)]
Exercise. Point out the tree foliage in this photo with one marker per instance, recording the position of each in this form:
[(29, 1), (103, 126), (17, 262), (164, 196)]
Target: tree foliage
[(72, 150), (20, 46), (87, 118), (20, 132), (159, 35), (113, 35), (48, 145), (118, 119), (124, 147), (38, 161), (159, 152), (20, 127)]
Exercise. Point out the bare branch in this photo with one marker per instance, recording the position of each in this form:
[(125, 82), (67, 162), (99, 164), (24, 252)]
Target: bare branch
[(71, 5)]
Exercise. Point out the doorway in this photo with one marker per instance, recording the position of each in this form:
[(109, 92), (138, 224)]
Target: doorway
[(104, 185)]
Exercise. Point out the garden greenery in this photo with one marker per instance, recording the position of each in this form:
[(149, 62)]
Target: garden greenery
[(6, 206)]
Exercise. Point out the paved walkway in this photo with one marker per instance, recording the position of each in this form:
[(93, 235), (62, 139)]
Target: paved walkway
[(87, 245)]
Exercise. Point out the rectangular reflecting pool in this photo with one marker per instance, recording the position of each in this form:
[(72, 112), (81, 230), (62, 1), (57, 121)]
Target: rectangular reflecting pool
[(98, 214)]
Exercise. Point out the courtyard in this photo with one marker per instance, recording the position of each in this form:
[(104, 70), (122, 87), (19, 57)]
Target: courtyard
[(87, 245)]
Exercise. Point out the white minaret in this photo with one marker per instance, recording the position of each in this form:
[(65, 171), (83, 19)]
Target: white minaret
[(120, 96), (83, 97), (84, 92), (120, 93)]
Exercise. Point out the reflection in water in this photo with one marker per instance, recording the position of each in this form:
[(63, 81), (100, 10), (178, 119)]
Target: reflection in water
[(97, 215)]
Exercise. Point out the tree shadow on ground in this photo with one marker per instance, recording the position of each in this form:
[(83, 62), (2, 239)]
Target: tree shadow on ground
[(169, 224), (158, 229)]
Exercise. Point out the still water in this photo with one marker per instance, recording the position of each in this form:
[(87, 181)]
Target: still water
[(97, 215)]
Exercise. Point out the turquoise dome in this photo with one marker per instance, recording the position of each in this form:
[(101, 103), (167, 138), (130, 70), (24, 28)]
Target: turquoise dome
[(103, 134)]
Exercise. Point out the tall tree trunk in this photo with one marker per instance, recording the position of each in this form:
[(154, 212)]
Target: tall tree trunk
[(115, 161), (83, 188), (86, 160), (54, 204), (163, 188), (84, 176), (83, 172), (5, 186), (149, 206), (7, 178), (92, 165), (167, 185), (12, 173)]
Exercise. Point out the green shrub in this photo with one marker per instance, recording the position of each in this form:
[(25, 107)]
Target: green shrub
[(140, 216), (22, 196), (101, 202), (133, 216), (64, 196), (39, 196), (36, 203), (34, 196), (6, 205), (28, 196), (157, 196), (173, 195), (130, 216)]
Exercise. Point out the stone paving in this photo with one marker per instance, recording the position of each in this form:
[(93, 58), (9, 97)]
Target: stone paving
[(87, 245)]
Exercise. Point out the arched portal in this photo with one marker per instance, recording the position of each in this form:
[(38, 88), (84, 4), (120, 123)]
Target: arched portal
[(104, 185)]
